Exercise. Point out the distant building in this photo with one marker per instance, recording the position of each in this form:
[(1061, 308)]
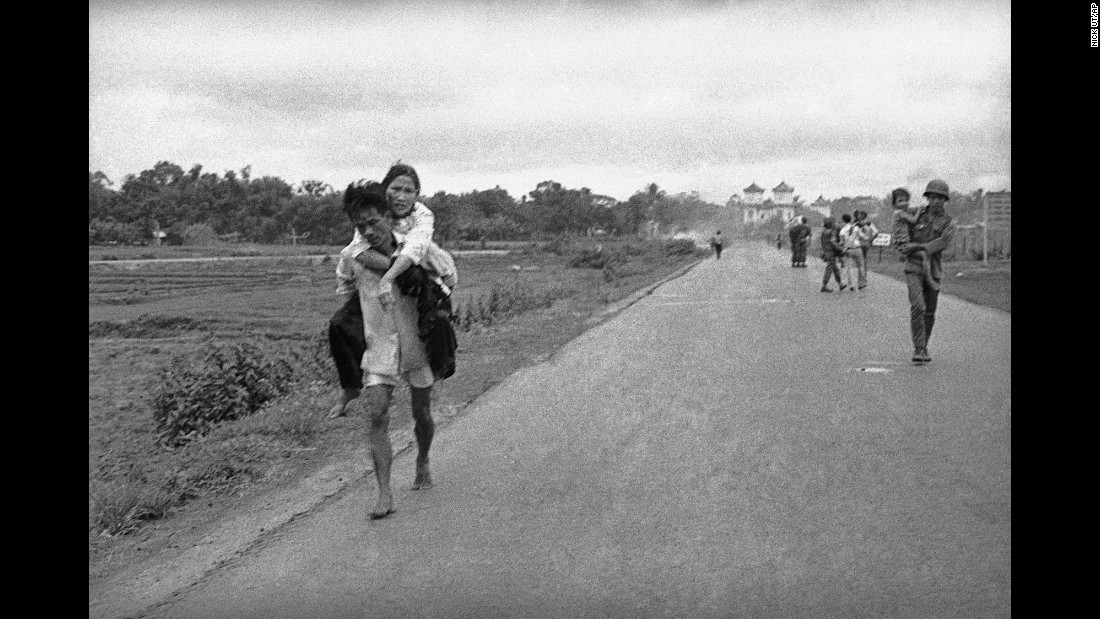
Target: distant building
[(783, 193), (754, 195), (755, 209)]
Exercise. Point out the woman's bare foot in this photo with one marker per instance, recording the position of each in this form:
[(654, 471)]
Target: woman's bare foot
[(340, 408), (384, 506), (423, 479)]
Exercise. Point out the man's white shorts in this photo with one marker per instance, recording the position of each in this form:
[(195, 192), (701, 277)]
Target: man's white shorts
[(419, 378)]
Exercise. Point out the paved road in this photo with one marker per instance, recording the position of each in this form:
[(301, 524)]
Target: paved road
[(736, 444)]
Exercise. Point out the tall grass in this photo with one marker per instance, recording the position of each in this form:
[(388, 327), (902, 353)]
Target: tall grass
[(504, 298), (118, 507)]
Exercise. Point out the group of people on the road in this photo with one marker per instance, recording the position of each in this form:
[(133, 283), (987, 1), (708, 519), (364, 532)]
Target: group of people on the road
[(919, 234), (846, 247)]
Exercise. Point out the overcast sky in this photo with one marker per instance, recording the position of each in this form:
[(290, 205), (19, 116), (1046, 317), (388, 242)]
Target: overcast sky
[(834, 98)]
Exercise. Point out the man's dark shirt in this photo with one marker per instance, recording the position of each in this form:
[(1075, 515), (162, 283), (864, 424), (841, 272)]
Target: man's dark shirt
[(830, 244), (801, 233), (936, 233)]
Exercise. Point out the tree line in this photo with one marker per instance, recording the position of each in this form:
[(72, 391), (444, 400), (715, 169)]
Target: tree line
[(197, 207)]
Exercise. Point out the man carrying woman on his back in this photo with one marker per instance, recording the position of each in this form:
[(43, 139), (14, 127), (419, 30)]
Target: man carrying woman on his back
[(384, 343)]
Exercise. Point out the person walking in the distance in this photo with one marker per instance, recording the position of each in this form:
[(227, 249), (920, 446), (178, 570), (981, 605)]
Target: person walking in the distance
[(716, 243), (926, 239), (831, 250)]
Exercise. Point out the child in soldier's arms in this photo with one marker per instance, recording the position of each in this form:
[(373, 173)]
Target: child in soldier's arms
[(903, 216)]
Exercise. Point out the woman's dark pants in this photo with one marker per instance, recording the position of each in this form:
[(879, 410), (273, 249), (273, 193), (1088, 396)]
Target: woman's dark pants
[(347, 343)]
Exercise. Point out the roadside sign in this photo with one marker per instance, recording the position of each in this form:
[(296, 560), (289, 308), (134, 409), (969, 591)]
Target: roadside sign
[(998, 210), (881, 240)]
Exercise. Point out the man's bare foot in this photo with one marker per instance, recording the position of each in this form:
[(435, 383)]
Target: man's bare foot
[(384, 506), (340, 408), (423, 479)]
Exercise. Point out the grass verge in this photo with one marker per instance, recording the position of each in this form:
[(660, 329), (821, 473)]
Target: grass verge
[(988, 285)]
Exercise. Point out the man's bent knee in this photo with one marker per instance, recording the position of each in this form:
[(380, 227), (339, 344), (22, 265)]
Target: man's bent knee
[(376, 399)]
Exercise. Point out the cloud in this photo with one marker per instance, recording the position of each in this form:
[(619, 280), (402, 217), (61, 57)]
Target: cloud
[(511, 91)]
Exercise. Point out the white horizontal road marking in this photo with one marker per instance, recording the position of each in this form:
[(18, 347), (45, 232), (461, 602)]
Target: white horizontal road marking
[(736, 302)]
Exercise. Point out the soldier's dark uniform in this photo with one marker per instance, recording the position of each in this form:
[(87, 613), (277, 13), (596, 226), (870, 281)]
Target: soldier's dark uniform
[(935, 231)]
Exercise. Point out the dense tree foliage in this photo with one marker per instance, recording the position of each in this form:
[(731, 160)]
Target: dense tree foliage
[(197, 204), (194, 206)]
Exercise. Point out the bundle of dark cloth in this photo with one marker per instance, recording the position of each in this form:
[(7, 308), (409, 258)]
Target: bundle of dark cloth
[(434, 327)]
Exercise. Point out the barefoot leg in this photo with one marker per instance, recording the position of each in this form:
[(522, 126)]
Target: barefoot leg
[(425, 431), (381, 450)]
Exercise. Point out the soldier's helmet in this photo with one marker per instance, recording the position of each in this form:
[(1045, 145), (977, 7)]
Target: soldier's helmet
[(938, 187)]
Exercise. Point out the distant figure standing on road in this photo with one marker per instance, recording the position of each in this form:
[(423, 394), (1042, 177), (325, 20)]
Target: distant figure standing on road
[(791, 227), (716, 243), (870, 231), (927, 237), (800, 240), (830, 252), (851, 236), (779, 241)]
